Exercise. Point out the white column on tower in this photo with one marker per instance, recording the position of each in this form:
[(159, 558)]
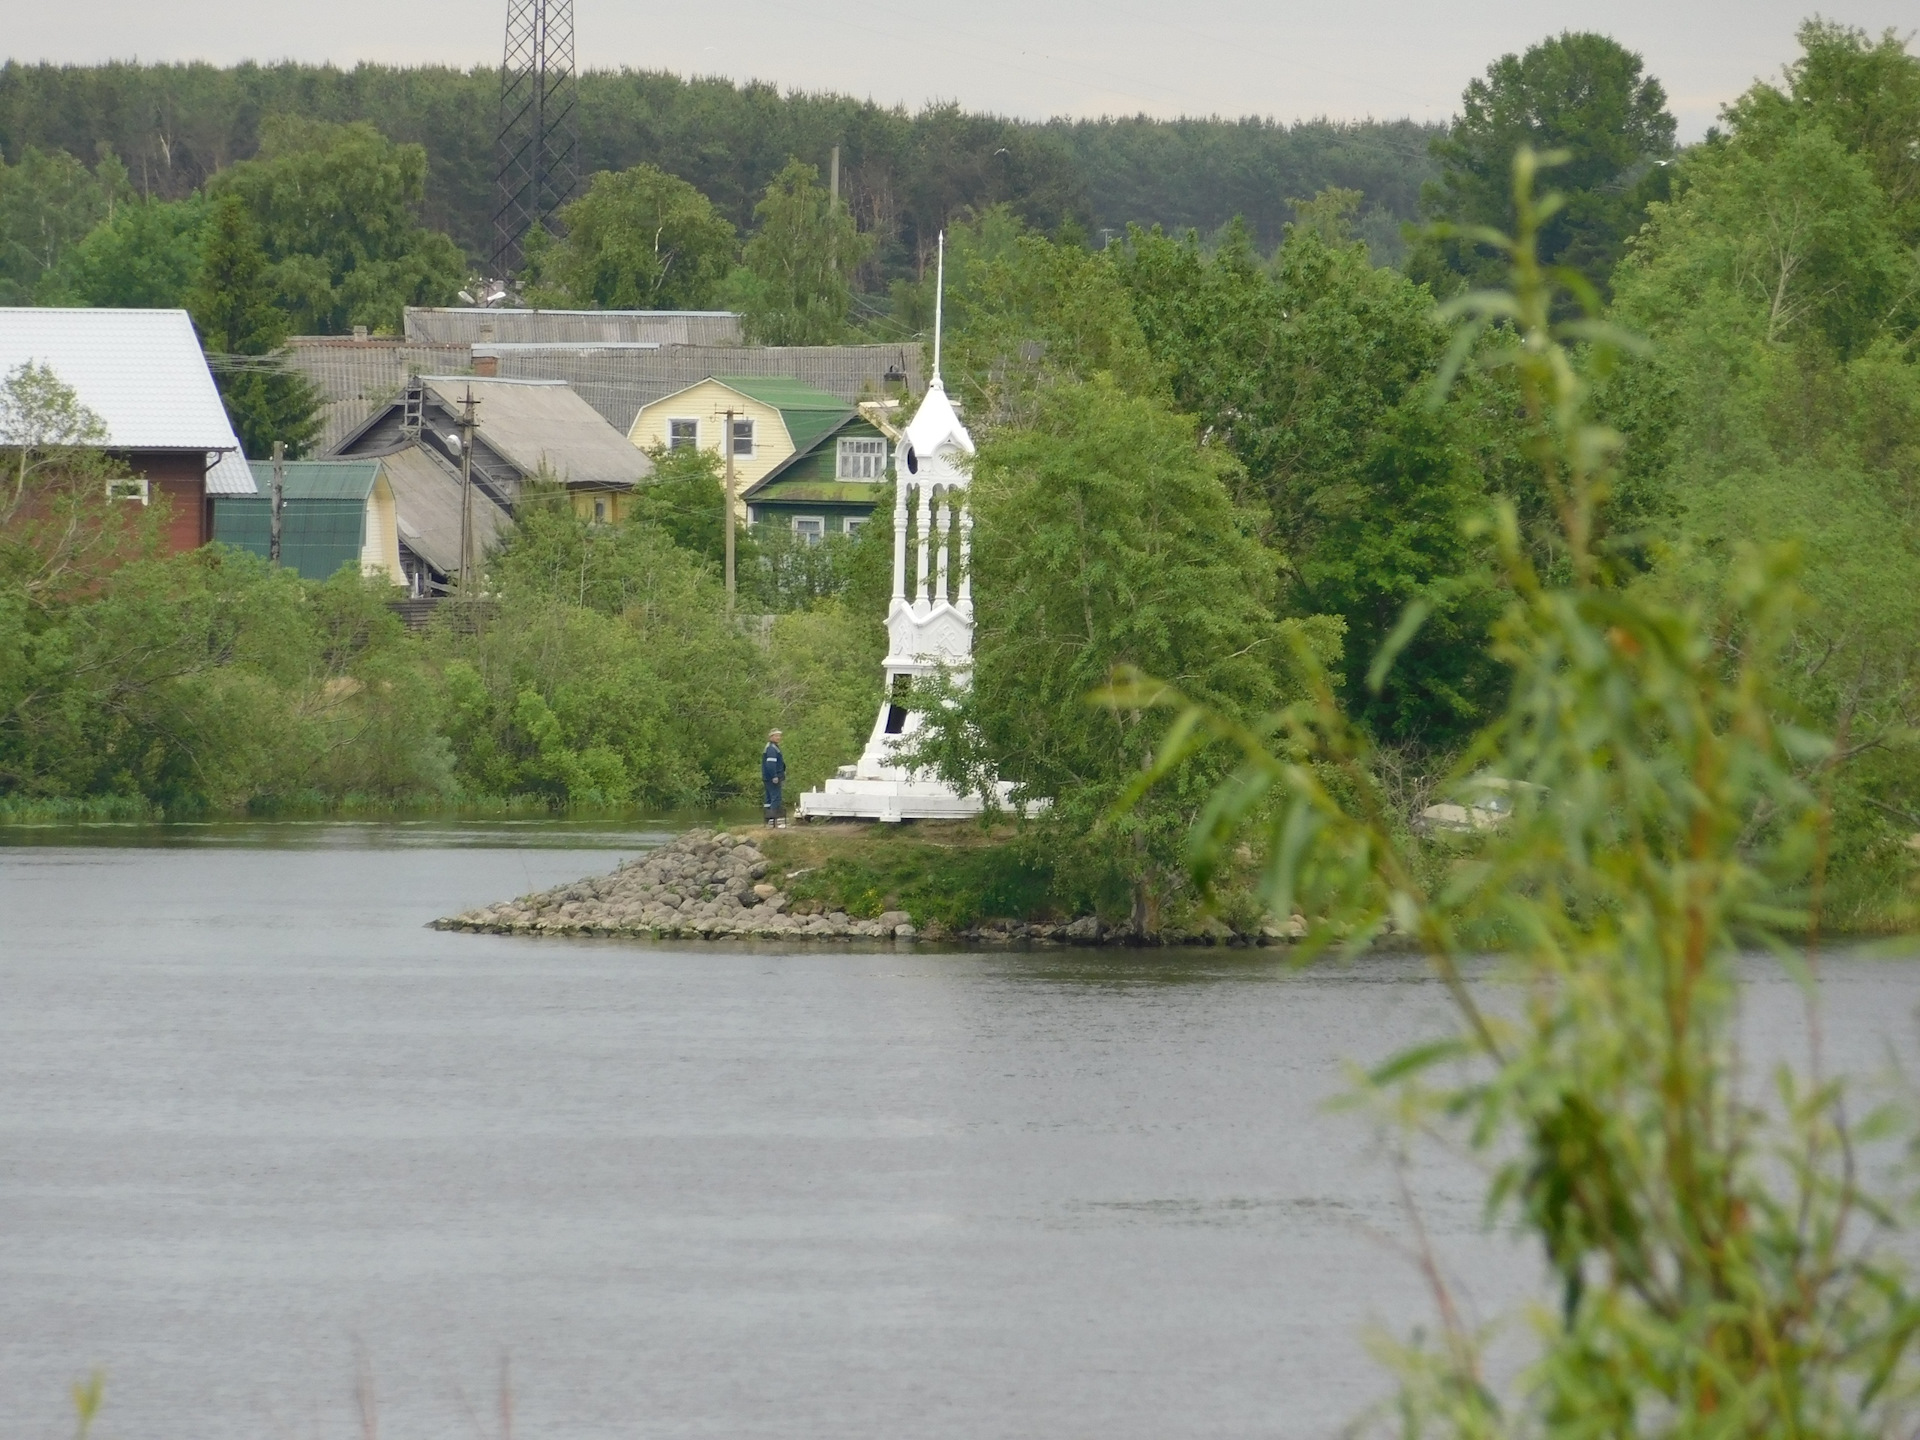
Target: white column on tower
[(926, 521), (900, 514), (966, 556), (942, 593)]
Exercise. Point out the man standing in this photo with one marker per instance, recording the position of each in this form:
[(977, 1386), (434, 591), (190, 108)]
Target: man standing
[(773, 770)]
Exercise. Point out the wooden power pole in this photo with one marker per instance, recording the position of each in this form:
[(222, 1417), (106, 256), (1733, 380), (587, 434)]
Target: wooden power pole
[(466, 494), (726, 439), (276, 502)]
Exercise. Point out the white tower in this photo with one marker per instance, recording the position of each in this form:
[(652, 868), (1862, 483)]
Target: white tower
[(930, 618)]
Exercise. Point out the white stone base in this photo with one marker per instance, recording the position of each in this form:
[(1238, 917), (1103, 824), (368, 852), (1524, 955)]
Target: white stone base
[(846, 798)]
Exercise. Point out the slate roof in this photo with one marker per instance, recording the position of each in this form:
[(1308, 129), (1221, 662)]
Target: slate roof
[(141, 371), (426, 500), (357, 377), (531, 422), (441, 324)]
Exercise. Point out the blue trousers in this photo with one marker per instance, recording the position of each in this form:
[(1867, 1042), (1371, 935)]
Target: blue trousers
[(773, 794)]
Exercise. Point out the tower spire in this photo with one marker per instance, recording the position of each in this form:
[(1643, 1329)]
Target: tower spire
[(939, 296)]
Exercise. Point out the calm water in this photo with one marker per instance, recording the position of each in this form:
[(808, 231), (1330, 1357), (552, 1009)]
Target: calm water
[(260, 1133)]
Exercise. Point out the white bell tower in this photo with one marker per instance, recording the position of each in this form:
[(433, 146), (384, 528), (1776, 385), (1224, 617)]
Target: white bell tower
[(930, 618)]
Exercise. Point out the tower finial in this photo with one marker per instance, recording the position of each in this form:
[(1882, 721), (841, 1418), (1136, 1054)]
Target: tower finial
[(939, 295)]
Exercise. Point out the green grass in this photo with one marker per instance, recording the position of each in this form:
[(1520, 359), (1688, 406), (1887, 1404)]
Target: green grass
[(950, 873)]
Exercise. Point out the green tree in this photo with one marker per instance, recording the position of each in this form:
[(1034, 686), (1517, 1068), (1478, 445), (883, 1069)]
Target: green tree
[(637, 240), (145, 256), (1865, 93), (338, 211), (612, 672), (796, 286), (686, 500), (1580, 93), (1725, 1267), (232, 306), (1313, 373), (48, 202), (1024, 313), (60, 522), (1783, 399), (1104, 537)]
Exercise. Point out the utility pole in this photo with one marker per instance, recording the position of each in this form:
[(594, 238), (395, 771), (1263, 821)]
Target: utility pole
[(726, 439), (466, 494), (279, 499), (833, 207)]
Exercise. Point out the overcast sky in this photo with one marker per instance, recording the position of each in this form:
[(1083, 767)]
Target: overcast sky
[(1349, 59)]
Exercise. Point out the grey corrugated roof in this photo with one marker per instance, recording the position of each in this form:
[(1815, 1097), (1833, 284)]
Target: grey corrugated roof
[(440, 325), (426, 499), (618, 382), (357, 377), (542, 423), (141, 371)]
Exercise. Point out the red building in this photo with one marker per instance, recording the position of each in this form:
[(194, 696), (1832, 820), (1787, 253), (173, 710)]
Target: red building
[(144, 374)]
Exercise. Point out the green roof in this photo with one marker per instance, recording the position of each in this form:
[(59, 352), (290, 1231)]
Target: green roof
[(820, 492), (808, 413), (783, 392), (319, 479)]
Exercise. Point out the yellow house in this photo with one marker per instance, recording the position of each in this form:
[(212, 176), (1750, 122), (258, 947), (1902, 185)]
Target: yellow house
[(772, 417)]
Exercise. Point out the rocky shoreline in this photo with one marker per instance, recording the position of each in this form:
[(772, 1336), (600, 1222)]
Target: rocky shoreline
[(714, 886)]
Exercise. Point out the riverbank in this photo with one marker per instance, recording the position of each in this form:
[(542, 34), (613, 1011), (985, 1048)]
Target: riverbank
[(938, 882)]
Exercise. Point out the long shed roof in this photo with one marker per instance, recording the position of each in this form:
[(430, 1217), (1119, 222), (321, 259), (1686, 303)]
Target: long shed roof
[(539, 424), (426, 501)]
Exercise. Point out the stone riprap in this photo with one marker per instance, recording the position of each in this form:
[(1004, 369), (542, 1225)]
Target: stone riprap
[(700, 884), (710, 886)]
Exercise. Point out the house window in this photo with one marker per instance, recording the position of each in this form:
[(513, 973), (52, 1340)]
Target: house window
[(863, 459), (600, 512), (683, 434), (743, 437), (853, 523), (130, 487), (810, 528)]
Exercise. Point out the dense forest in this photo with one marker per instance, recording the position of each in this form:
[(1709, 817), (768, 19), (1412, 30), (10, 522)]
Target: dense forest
[(905, 175)]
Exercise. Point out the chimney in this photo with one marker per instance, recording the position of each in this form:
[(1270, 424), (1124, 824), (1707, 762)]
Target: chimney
[(486, 366)]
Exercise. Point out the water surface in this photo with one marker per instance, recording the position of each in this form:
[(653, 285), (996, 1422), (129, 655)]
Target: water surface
[(262, 1133)]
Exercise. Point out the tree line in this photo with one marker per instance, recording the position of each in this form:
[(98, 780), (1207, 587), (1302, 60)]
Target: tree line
[(905, 175)]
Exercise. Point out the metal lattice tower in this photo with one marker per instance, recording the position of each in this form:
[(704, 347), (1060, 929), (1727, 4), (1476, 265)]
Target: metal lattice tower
[(537, 154)]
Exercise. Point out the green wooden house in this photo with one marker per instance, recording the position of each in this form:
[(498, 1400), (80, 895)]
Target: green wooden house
[(841, 464)]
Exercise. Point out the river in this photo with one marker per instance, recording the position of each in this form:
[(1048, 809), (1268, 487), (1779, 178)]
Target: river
[(281, 1162)]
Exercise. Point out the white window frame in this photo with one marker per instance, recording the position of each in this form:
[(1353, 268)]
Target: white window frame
[(674, 442), (814, 538), (741, 422), (130, 487), (853, 524), (854, 449)]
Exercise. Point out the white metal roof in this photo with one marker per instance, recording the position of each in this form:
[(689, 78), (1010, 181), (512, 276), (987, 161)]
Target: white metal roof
[(140, 371), (936, 424)]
